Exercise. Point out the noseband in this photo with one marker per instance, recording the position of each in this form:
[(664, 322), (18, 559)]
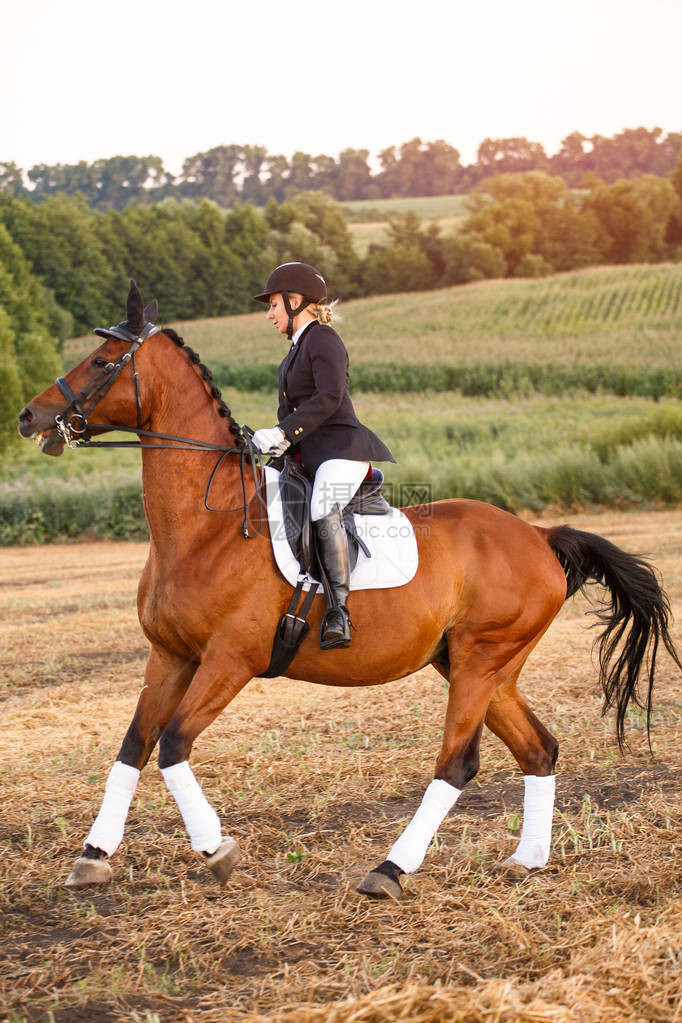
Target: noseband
[(72, 421)]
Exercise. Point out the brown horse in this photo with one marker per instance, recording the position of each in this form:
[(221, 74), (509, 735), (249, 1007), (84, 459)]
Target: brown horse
[(487, 588)]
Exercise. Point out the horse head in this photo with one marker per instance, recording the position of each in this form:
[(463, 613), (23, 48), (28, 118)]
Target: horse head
[(59, 415)]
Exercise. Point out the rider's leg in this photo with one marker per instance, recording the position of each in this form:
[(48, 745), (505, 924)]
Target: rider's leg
[(336, 482)]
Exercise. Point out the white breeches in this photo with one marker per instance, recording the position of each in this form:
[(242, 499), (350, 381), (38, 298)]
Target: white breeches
[(336, 482)]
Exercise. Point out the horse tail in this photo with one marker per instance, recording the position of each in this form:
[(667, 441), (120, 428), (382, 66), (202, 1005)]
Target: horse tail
[(635, 620)]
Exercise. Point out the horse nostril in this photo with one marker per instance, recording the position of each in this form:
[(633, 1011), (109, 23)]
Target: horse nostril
[(25, 416)]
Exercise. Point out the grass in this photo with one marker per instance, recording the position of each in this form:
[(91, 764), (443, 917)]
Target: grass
[(629, 316), (432, 207), (315, 785), (533, 441), (523, 453)]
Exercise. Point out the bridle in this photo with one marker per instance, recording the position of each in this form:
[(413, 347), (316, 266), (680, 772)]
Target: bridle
[(82, 404), (74, 427)]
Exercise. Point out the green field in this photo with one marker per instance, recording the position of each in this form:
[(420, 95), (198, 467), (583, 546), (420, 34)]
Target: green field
[(431, 207), (528, 453), (376, 232), (525, 446), (369, 219), (627, 315)]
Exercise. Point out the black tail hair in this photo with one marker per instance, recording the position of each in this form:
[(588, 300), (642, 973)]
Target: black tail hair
[(635, 620)]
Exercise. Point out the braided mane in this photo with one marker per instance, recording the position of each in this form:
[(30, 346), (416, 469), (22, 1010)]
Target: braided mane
[(207, 377)]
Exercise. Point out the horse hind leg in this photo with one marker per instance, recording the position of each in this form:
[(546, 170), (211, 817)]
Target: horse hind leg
[(535, 750), (472, 683)]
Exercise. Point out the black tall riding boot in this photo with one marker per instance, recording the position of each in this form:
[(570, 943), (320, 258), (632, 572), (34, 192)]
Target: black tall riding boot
[(332, 551)]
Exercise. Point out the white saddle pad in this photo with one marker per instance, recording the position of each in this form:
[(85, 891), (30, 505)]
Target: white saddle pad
[(389, 538)]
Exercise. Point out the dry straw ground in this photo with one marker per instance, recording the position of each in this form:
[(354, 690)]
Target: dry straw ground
[(315, 784)]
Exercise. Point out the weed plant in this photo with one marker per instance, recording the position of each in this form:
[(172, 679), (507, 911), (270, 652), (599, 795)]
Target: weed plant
[(525, 454)]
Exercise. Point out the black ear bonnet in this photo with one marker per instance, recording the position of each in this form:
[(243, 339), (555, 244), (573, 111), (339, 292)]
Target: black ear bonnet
[(141, 319)]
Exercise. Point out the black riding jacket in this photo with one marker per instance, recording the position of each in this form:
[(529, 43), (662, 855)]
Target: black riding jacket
[(315, 410)]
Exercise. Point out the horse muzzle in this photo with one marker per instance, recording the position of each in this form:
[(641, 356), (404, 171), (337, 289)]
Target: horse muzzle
[(40, 424)]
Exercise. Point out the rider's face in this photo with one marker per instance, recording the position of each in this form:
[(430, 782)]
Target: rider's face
[(277, 314)]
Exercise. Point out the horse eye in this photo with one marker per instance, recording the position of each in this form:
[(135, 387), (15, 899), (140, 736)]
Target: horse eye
[(99, 362)]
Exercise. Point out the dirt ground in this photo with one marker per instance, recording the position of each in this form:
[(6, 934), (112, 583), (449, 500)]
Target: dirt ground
[(315, 784)]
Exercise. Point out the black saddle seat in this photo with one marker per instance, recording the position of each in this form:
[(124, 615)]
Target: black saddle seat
[(295, 489)]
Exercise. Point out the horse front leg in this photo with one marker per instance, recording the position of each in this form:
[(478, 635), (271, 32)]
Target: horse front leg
[(212, 688), (167, 677)]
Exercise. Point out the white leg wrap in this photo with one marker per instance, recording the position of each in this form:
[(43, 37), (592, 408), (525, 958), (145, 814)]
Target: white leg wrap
[(409, 851), (201, 820), (536, 833), (107, 831)]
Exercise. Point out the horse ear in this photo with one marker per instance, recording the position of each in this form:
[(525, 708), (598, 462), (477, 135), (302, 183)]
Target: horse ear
[(151, 311), (135, 308)]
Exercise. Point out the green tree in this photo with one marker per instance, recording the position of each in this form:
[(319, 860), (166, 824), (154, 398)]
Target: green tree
[(468, 258), (510, 226), (326, 174), (11, 390), (569, 237), (212, 175), (253, 159), (510, 156), (301, 173), (324, 217), (354, 177), (246, 234), (60, 241), (28, 355), (277, 168), (398, 267), (634, 215), (673, 234), (11, 179)]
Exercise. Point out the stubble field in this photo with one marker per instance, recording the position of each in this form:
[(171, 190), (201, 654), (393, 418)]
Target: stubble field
[(315, 784)]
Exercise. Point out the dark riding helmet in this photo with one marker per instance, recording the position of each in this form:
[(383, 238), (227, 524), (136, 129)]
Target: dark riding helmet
[(300, 278)]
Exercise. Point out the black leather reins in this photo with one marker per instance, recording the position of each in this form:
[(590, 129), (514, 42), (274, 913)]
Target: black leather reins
[(81, 405)]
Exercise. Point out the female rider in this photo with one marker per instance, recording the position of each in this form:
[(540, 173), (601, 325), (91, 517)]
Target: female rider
[(316, 419)]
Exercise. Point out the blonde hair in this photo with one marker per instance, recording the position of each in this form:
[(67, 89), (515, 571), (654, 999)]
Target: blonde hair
[(324, 312)]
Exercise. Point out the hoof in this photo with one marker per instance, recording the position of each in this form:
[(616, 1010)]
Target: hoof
[(380, 886), (516, 871), (223, 861), (89, 872)]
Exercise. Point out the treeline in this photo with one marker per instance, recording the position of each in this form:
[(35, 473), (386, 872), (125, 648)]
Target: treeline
[(201, 261), (229, 174)]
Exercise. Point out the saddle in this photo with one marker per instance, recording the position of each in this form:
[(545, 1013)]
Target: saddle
[(291, 531), (296, 489)]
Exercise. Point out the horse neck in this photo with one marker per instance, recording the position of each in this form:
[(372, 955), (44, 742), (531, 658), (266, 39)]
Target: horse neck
[(174, 481)]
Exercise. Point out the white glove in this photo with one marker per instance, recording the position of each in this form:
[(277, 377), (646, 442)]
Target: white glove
[(271, 442)]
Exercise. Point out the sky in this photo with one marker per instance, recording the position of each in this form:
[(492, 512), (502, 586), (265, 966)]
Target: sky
[(83, 80)]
